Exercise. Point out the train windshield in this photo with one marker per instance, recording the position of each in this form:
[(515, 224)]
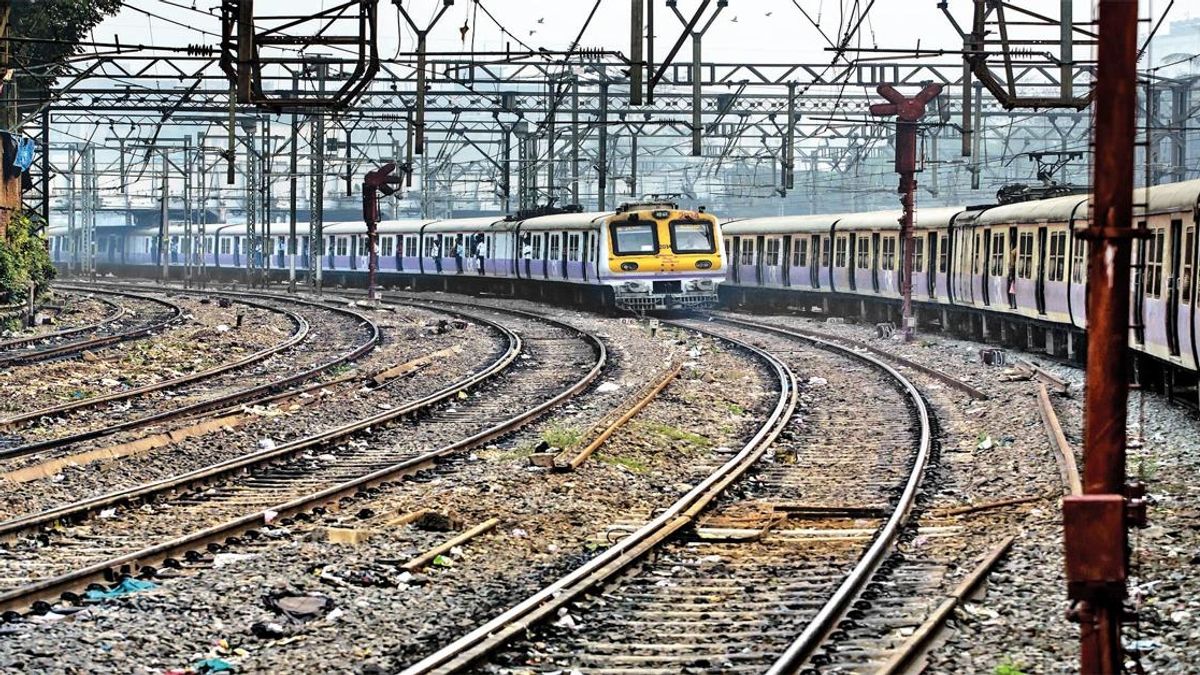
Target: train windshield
[(692, 236), (634, 238)]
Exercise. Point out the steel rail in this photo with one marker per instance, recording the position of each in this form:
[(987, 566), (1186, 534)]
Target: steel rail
[(833, 609), (116, 314), (856, 344), (55, 587), (208, 405), (497, 631), (60, 351), (299, 333)]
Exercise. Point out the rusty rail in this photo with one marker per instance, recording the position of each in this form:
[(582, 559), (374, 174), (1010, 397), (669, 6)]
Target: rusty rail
[(1065, 454), (919, 641), (641, 400)]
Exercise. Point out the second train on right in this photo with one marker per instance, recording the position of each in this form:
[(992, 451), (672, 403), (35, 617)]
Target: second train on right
[(1016, 267)]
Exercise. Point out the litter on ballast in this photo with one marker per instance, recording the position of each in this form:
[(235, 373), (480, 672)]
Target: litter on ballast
[(126, 587), (607, 387)]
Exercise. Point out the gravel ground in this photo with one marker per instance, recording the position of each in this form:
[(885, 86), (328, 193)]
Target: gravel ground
[(203, 338), (549, 523), (407, 335)]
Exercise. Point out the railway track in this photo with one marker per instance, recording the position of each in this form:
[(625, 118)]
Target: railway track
[(129, 325), (52, 555), (304, 355), (115, 312), (755, 579)]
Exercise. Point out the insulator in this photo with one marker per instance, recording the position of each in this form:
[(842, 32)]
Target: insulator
[(200, 50)]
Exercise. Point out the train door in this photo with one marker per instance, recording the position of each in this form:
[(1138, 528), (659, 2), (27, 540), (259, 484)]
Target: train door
[(1176, 235), (735, 260), (585, 249), (932, 265), (987, 260), (1139, 286), (875, 262), (850, 271), (759, 277), (785, 262), (814, 249), (1040, 283)]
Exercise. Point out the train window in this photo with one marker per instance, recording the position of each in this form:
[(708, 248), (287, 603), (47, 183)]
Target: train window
[(800, 252), (1025, 255), (631, 238), (573, 247), (1154, 262), (728, 248), (772, 252), (226, 246), (863, 254), (943, 254), (410, 247), (1079, 262), (824, 251), (537, 247), (918, 255), (1185, 275), (839, 252), (888, 254), (387, 246), (1058, 256), (555, 249), (692, 236), (341, 247), (747, 251), (996, 265)]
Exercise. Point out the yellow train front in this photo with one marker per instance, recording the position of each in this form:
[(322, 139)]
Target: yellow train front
[(659, 257)]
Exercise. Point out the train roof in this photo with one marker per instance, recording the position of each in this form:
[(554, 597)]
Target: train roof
[(1170, 197), (1053, 210), (780, 224), (931, 218), (565, 221)]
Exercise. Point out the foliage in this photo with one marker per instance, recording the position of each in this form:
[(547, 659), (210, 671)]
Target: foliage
[(59, 25), (561, 437), (23, 258), (1009, 667)]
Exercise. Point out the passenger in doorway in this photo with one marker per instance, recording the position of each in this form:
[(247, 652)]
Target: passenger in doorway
[(435, 252), (480, 252), (458, 253), (1012, 277)]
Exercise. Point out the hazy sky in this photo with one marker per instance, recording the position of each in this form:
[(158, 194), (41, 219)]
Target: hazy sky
[(746, 31)]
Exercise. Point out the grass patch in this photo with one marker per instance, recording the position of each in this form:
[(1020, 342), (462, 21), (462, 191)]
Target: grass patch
[(518, 453), (1009, 667), (1146, 468), (633, 465), (675, 434), (736, 409), (561, 437)]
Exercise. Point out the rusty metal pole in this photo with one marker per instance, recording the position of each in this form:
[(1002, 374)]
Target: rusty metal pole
[(908, 112), (1094, 523)]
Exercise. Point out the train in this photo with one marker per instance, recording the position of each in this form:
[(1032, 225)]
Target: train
[(648, 255), (1014, 272)]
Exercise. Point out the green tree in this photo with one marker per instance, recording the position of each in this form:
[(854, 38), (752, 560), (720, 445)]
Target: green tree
[(49, 32), (23, 258)]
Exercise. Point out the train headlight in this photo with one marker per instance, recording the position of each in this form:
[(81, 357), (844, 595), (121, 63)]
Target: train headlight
[(703, 264), (636, 287), (628, 266)]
